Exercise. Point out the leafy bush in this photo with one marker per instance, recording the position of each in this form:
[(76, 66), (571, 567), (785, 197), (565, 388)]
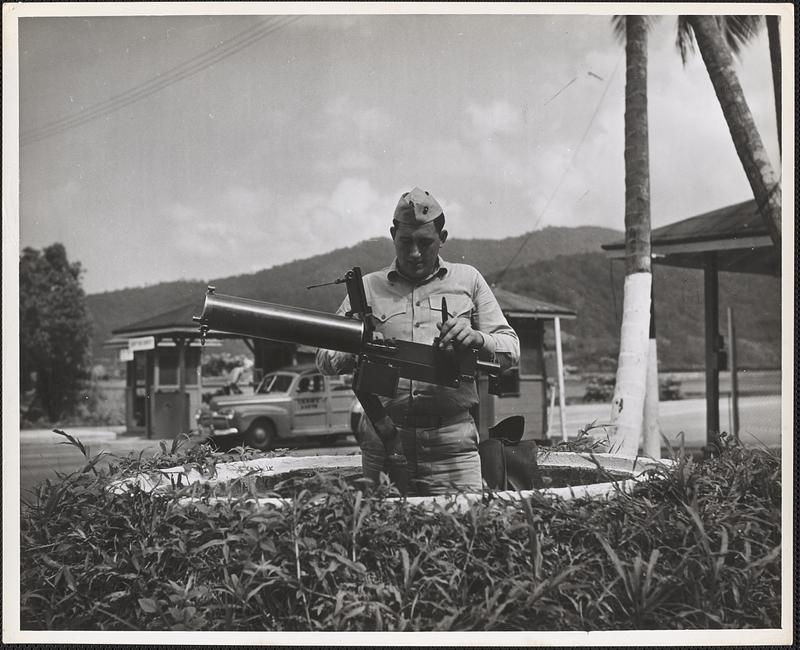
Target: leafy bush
[(92, 407), (696, 547), (55, 330), (219, 365)]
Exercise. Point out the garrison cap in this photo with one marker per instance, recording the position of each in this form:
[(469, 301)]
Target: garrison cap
[(416, 208)]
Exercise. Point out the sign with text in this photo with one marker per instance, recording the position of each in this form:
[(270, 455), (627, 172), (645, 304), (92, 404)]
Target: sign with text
[(126, 354), (142, 343)]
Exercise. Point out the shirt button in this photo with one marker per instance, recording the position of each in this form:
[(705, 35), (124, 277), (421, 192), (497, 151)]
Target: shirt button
[(418, 303), (417, 324)]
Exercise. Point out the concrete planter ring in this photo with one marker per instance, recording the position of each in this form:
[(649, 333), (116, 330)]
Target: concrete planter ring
[(624, 472)]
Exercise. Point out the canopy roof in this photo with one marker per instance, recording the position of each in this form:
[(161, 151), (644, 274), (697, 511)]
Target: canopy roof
[(735, 233), (515, 305), (175, 322)]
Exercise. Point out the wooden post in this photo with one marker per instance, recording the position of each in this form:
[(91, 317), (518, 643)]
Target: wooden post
[(711, 291), (651, 434), (543, 368), (149, 401), (130, 395), (560, 372), (734, 377), (181, 345)]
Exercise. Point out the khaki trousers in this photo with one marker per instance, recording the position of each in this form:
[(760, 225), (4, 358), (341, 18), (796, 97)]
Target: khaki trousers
[(440, 460)]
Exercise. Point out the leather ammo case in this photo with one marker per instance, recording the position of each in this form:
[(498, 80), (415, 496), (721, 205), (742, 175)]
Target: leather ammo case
[(507, 462)]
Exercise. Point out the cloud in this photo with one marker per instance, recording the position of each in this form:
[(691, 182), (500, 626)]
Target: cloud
[(255, 228), (342, 113), (498, 117), (693, 163), (349, 159)]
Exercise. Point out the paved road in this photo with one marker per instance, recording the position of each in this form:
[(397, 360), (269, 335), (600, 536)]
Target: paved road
[(759, 416), (41, 455)]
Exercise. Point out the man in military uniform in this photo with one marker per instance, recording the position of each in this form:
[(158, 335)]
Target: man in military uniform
[(430, 424)]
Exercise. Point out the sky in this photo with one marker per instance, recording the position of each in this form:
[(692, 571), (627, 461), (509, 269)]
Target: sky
[(159, 148)]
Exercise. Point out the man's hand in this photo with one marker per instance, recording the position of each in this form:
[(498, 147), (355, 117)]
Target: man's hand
[(457, 332)]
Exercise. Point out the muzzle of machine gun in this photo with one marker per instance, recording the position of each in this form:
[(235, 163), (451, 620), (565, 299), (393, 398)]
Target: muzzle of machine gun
[(380, 363)]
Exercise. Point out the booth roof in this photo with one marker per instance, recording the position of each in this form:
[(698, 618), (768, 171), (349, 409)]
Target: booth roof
[(175, 321), (527, 307), (736, 233)]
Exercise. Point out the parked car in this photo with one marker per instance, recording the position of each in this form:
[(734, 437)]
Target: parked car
[(293, 402), (669, 389), (599, 389)]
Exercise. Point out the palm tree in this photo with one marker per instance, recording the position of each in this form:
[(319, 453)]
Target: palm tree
[(773, 32), (627, 405), (717, 38)]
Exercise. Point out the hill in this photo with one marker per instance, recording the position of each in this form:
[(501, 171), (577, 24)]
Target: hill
[(592, 285), (560, 265), (286, 283)]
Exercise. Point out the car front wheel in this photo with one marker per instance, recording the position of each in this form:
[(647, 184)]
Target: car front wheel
[(261, 435)]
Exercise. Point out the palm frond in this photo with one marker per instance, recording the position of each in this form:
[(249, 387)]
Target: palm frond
[(618, 25), (740, 30), (684, 40), (737, 31)]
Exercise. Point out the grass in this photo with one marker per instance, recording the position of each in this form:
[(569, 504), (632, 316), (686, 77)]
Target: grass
[(696, 547)]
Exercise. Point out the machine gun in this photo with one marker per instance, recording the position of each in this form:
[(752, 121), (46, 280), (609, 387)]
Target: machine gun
[(380, 363)]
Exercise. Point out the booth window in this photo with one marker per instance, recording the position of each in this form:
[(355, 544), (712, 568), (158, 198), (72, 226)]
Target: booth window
[(168, 366)]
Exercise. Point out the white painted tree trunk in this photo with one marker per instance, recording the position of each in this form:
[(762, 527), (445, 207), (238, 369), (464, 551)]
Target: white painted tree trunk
[(627, 407), (652, 434)]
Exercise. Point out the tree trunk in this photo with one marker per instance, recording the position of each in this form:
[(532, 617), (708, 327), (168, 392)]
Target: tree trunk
[(628, 403), (760, 174), (774, 35)]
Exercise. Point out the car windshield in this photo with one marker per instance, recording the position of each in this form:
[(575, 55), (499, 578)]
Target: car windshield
[(275, 383)]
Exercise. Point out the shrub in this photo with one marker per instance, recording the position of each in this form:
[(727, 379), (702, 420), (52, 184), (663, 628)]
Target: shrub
[(696, 547), (92, 407)]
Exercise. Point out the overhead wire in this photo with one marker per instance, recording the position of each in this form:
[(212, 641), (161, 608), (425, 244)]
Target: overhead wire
[(564, 173), (175, 74), (161, 81), (161, 76), (561, 90)]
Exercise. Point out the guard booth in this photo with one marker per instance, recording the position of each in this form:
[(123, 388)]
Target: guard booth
[(163, 385), (163, 356), (531, 319)]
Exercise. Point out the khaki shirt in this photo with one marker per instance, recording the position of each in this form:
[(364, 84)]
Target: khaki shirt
[(409, 311)]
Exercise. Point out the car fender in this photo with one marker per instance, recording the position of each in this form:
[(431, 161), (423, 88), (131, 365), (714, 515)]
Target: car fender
[(279, 416)]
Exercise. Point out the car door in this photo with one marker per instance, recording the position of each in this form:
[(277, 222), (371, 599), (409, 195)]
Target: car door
[(310, 403), (340, 398)]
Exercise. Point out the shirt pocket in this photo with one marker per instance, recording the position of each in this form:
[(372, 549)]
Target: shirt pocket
[(389, 312), (458, 304)]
